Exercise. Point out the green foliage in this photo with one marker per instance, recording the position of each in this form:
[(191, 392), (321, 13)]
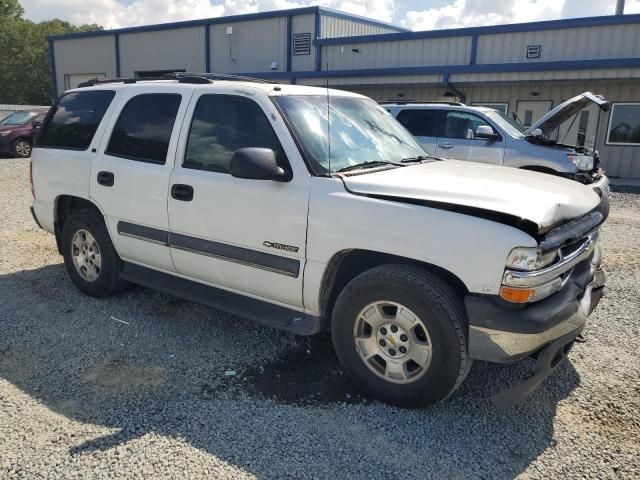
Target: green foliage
[(25, 76)]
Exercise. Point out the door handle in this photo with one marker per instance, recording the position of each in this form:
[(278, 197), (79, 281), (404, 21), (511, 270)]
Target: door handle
[(181, 192), (106, 179), (446, 146)]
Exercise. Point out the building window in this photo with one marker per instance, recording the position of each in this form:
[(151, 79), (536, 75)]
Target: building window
[(301, 43), (143, 130), (534, 51), (499, 106), (624, 124)]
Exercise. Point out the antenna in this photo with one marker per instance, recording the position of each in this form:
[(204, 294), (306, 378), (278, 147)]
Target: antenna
[(328, 115)]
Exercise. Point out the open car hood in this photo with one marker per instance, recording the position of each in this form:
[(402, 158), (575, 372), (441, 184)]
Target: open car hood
[(502, 194), (556, 116)]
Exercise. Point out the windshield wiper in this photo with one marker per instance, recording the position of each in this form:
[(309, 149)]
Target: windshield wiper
[(419, 158), (375, 163)]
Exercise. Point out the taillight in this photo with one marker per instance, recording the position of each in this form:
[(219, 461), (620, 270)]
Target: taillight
[(33, 193)]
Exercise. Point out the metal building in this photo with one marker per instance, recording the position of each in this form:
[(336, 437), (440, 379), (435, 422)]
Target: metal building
[(526, 68)]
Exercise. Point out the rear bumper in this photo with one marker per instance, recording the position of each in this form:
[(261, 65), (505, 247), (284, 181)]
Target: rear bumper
[(503, 333)]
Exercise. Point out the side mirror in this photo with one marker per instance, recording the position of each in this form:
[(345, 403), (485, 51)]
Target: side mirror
[(485, 132), (536, 132), (257, 164)]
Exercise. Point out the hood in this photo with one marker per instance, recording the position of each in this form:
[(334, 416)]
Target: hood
[(563, 112), (526, 198)]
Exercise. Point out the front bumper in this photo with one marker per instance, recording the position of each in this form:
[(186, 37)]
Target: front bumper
[(601, 184), (503, 333)]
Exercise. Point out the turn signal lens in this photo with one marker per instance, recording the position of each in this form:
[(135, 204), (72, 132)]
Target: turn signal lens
[(517, 295)]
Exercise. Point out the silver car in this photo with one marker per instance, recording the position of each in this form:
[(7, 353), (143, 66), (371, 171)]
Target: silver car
[(480, 134)]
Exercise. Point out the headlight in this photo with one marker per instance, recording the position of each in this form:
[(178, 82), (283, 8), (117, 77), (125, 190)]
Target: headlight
[(530, 258), (582, 162), (4, 133)]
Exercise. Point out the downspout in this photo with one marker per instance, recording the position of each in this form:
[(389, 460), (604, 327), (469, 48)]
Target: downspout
[(620, 7), (450, 86)]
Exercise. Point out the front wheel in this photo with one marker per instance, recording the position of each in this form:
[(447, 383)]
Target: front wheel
[(22, 148), (89, 255), (399, 333)]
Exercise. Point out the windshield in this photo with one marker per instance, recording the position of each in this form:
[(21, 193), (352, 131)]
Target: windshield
[(508, 124), (18, 118), (360, 131)]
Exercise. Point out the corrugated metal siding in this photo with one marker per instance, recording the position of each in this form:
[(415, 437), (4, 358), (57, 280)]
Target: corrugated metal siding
[(84, 55), (612, 41), (404, 53), (332, 27), (181, 48), (251, 48), (304, 24), (356, 82), (560, 75)]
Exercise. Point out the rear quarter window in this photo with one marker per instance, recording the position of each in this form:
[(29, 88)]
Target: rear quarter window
[(73, 121)]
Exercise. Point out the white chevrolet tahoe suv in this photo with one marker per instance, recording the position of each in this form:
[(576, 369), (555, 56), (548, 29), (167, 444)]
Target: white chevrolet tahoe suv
[(241, 195)]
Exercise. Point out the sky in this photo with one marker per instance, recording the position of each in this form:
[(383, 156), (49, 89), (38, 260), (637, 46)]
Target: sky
[(411, 14)]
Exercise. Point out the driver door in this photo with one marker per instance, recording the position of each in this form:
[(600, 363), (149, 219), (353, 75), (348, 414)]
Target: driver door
[(242, 235), (457, 139)]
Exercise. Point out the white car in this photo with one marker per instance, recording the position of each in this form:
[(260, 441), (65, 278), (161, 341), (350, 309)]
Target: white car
[(240, 195)]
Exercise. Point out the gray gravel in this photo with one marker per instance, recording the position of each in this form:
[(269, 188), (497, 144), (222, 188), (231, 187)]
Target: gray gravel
[(85, 395)]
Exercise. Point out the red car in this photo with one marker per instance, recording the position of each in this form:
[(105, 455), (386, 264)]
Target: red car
[(18, 130)]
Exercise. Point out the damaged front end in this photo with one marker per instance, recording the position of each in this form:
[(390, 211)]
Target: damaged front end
[(506, 329)]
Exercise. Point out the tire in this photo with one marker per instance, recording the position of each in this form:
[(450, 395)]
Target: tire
[(441, 324), (22, 148), (103, 281)]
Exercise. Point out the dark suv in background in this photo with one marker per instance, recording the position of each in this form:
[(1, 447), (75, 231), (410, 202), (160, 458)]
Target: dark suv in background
[(18, 130)]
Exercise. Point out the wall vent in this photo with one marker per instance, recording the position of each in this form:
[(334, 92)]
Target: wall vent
[(534, 51), (301, 43)]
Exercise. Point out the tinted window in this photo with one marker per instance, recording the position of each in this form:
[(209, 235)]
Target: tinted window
[(421, 123), (624, 126), (74, 120), (461, 124), (223, 124), (144, 128)]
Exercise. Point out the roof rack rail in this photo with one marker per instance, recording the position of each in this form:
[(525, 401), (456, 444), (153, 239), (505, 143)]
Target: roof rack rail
[(223, 76), (410, 102), (180, 77)]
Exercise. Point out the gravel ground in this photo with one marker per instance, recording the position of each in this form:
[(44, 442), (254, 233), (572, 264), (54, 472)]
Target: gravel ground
[(135, 386)]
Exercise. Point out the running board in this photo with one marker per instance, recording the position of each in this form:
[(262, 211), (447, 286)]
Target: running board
[(266, 313)]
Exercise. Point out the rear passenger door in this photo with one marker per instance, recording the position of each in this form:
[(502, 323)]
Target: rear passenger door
[(456, 141), (244, 235), (130, 175), (422, 124)]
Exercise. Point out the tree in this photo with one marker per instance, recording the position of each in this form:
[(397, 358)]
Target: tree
[(25, 76), (10, 9)]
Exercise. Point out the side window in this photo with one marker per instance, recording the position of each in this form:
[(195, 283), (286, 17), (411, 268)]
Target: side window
[(461, 124), (73, 121), (143, 130), (421, 123), (223, 124)]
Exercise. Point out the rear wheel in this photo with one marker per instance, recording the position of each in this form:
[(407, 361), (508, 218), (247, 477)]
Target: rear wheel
[(22, 148), (399, 333), (89, 256)]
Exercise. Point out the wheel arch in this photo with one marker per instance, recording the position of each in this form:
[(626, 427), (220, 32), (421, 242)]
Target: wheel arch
[(63, 206), (345, 265)]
